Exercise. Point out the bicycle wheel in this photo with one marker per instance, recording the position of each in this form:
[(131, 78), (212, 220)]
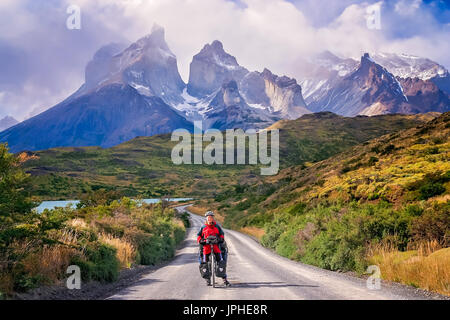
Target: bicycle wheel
[(213, 269)]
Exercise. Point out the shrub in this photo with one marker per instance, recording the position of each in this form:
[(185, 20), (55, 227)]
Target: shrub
[(100, 264), (126, 253), (413, 210), (272, 232), (431, 185), (100, 240), (243, 205), (430, 190), (432, 225), (298, 208), (24, 282), (179, 234), (431, 150), (10, 234), (154, 249), (372, 161), (345, 169), (185, 218), (98, 197), (285, 245), (388, 149), (54, 219), (340, 247), (148, 252)]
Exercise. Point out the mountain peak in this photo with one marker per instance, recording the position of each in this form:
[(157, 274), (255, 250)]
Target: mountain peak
[(99, 67), (217, 45), (215, 49), (210, 68), (267, 72), (156, 38), (366, 58), (148, 65), (367, 63), (281, 81), (157, 28)]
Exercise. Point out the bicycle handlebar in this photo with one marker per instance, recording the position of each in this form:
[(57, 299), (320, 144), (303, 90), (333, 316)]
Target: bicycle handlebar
[(212, 240)]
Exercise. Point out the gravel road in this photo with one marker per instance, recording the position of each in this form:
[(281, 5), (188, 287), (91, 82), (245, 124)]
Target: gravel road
[(255, 273)]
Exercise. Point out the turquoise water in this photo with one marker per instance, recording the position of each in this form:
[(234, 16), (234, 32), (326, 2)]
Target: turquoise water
[(73, 203)]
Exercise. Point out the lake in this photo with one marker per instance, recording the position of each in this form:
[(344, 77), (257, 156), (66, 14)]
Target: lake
[(73, 203)]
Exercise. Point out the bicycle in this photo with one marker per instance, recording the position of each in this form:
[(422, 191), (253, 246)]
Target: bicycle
[(213, 268)]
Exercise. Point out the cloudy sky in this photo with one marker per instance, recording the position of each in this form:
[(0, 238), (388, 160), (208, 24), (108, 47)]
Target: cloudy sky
[(42, 61)]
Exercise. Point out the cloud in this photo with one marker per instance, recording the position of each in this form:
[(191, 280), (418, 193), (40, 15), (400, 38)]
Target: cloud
[(46, 61), (409, 7)]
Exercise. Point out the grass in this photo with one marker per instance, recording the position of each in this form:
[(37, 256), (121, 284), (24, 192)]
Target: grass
[(254, 232), (101, 239), (125, 250), (418, 268)]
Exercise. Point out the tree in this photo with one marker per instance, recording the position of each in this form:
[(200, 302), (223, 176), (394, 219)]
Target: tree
[(14, 199), (165, 202)]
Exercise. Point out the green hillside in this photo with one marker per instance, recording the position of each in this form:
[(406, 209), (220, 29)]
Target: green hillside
[(143, 166), (392, 191)]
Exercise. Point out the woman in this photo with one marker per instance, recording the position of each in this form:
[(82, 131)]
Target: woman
[(211, 228)]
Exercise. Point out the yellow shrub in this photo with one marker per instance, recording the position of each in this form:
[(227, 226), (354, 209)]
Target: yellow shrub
[(50, 262), (78, 223), (126, 252)]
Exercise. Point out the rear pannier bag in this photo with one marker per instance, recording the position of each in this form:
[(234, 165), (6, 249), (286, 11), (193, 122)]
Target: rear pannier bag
[(221, 268), (204, 270)]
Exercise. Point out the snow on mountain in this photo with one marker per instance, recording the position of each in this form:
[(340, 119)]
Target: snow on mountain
[(228, 110), (137, 90), (370, 89), (279, 95), (409, 66), (373, 86), (127, 93), (148, 65), (323, 72), (213, 67), (210, 68)]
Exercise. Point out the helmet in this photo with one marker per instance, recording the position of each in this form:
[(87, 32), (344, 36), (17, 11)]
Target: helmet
[(209, 213)]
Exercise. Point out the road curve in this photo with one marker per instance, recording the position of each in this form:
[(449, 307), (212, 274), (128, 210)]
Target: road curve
[(255, 273)]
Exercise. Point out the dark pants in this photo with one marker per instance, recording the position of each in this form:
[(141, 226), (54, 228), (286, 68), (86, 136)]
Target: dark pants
[(205, 257)]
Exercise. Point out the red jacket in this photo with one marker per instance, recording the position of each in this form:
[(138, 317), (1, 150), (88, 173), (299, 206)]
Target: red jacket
[(210, 230)]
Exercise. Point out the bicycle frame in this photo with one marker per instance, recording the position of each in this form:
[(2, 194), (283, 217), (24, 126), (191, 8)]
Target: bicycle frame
[(213, 266), (212, 261)]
